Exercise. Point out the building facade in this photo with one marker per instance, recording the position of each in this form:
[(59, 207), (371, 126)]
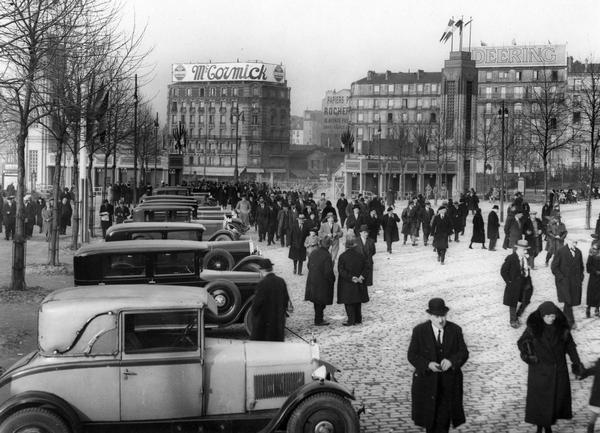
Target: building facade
[(336, 116), (312, 125), (220, 104)]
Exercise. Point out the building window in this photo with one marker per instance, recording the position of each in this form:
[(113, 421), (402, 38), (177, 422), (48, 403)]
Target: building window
[(427, 88), (235, 91), (536, 75), (488, 76), (211, 119), (361, 103), (404, 117), (254, 119), (434, 88), (222, 119), (426, 103), (419, 88), (432, 118), (434, 103), (359, 132), (488, 93), (518, 75), (419, 117), (376, 89), (174, 107), (503, 92), (212, 91), (518, 92), (361, 117), (576, 117), (202, 92), (191, 160), (390, 88), (405, 103), (390, 103), (376, 103), (503, 75), (376, 117), (488, 108), (518, 108), (224, 91), (256, 91), (390, 117)]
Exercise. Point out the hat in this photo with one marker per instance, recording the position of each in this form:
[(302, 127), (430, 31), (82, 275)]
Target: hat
[(11, 197), (266, 264), (363, 228), (427, 203), (301, 216), (533, 212), (356, 206), (442, 207), (547, 308), (522, 243), (437, 307), (390, 209), (329, 214), (495, 206)]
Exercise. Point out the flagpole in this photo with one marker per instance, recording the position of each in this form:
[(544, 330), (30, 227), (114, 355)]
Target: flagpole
[(460, 42), (470, 25), (452, 37)]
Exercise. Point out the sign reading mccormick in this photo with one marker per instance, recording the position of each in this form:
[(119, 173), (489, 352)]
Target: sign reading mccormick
[(262, 72), (520, 56)]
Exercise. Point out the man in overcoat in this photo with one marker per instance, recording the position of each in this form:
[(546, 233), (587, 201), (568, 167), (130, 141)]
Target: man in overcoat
[(269, 307), (389, 223), (262, 219), (533, 229), (341, 206), (493, 228), (351, 288), (556, 232), (332, 230), (437, 350), (515, 229), (320, 280), (427, 215), (366, 247), (355, 220), (441, 229), (567, 267), (298, 235), (9, 212), (518, 290)]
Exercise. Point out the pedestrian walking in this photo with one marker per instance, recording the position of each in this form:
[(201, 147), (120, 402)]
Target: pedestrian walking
[(543, 346), (515, 229), (406, 223), (594, 407), (311, 243), (426, 218), (441, 229), (355, 220), (272, 222), (341, 206), (48, 219), (366, 246), (269, 307), (298, 235), (389, 224), (437, 351), (243, 209), (39, 221), (28, 217), (518, 290), (556, 233), (351, 289), (66, 212), (478, 236), (283, 225), (9, 212), (333, 230), (262, 219), (533, 230), (493, 228), (593, 288), (320, 280), (567, 267), (121, 212), (106, 216)]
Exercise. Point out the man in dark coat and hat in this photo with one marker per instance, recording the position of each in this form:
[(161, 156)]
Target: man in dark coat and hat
[(567, 267), (298, 235), (533, 229), (478, 230), (427, 215), (437, 350), (9, 212), (389, 223), (493, 226), (320, 280), (366, 246), (441, 229), (269, 307), (515, 272), (352, 290), (544, 346)]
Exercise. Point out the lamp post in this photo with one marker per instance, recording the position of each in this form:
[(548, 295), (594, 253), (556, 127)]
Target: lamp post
[(155, 146), (236, 116), (502, 112), (378, 135), (135, 140)]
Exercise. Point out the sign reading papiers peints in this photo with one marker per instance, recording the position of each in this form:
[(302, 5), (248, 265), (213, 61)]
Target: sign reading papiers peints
[(262, 72), (520, 56)]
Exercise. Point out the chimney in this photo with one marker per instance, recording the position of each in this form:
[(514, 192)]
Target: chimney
[(587, 65), (420, 73), (370, 75), (388, 75)]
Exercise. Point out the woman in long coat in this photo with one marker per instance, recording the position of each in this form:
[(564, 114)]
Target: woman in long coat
[(298, 234), (593, 289), (66, 211), (352, 265), (320, 280), (544, 346), (47, 219), (389, 223), (478, 230)]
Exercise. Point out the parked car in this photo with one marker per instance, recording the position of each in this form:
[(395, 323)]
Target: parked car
[(172, 262), (131, 359), (171, 190), (221, 256)]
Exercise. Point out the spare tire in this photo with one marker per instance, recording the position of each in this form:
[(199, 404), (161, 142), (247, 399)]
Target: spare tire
[(228, 299), (248, 320), (222, 237), (218, 260)]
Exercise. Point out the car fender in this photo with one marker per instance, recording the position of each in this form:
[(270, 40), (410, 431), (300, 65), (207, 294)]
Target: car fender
[(223, 232), (300, 395), (252, 259), (41, 399)]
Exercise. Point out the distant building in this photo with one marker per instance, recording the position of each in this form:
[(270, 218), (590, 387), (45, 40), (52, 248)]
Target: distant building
[(336, 116), (207, 99), (296, 131), (313, 127)]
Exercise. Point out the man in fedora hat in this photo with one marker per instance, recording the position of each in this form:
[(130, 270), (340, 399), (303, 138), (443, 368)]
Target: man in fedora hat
[(568, 270), (441, 228), (366, 246), (437, 350), (515, 273), (269, 307), (298, 235), (351, 288), (332, 230)]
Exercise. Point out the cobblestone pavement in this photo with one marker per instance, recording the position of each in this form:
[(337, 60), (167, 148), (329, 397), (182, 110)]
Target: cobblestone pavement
[(372, 356)]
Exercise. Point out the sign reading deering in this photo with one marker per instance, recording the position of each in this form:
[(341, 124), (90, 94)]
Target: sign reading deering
[(263, 72), (520, 55)]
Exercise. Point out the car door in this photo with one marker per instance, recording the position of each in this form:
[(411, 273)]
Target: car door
[(161, 365), (175, 267)]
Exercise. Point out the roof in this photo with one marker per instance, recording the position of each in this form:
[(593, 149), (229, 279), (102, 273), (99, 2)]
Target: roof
[(400, 78), (154, 245), (65, 312), (155, 226)]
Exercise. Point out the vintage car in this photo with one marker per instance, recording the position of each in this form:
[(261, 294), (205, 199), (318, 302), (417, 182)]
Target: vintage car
[(120, 359), (221, 256), (172, 262), (171, 190)]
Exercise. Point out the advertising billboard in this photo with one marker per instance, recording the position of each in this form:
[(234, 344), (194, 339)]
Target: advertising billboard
[(215, 72), (520, 56)]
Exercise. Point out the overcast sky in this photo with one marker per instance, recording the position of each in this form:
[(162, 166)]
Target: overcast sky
[(328, 44)]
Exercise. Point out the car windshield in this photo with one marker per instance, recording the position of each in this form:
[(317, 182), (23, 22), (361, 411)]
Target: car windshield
[(171, 331)]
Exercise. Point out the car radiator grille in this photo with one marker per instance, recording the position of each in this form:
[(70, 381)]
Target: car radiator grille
[(277, 385)]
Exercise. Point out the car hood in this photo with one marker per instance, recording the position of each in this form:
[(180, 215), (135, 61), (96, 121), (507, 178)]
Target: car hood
[(233, 276)]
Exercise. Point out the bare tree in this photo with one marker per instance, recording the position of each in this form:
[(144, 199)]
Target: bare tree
[(487, 140), (588, 103), (547, 124), (30, 33)]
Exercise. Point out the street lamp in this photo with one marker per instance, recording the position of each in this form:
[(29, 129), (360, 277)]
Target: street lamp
[(503, 113), (236, 116), (155, 146)]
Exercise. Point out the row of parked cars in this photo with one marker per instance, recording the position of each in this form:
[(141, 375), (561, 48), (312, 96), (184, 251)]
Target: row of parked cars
[(129, 347)]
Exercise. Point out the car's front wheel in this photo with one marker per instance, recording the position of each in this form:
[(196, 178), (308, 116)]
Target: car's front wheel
[(324, 413), (33, 420), (218, 260)]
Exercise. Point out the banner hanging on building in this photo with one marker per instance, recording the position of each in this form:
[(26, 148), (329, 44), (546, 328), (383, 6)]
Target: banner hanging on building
[(262, 72), (520, 56)]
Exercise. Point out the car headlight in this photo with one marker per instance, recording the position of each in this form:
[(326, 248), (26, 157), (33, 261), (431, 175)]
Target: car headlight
[(324, 371), (315, 352), (320, 373), (252, 247)]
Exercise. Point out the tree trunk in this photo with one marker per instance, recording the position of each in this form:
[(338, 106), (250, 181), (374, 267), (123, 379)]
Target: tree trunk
[(90, 195), (53, 242), (19, 242), (588, 204), (545, 161), (76, 193), (104, 183)]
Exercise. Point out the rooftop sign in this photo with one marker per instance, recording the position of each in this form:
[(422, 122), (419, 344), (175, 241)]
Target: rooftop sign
[(520, 56), (262, 72)]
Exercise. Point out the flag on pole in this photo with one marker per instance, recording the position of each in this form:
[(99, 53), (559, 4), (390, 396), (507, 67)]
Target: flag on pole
[(446, 35), (483, 44)]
